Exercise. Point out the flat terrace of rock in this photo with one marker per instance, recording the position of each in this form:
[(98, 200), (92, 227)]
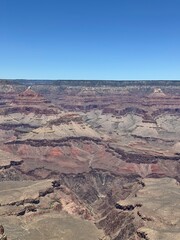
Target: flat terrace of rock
[(11, 191)]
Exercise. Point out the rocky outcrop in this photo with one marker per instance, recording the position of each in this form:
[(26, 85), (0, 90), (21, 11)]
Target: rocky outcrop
[(8, 160), (157, 93), (142, 235), (128, 207), (11, 164), (27, 102)]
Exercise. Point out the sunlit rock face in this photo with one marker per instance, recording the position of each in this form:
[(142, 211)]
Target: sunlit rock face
[(91, 157)]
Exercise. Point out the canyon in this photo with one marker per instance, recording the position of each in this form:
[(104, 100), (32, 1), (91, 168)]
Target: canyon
[(95, 160)]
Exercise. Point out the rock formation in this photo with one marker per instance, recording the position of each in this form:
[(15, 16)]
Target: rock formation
[(98, 159)]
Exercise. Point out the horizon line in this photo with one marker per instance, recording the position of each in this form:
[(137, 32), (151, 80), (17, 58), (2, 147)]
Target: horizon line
[(41, 79)]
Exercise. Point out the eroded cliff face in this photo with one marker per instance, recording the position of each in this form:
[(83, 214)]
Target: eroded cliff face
[(99, 191), (86, 152)]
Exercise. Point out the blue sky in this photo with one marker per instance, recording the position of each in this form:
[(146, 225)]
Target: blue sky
[(90, 39)]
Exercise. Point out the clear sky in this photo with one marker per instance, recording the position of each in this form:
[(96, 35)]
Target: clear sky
[(90, 39)]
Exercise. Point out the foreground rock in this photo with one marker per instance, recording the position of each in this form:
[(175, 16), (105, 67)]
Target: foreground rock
[(31, 209), (28, 205)]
